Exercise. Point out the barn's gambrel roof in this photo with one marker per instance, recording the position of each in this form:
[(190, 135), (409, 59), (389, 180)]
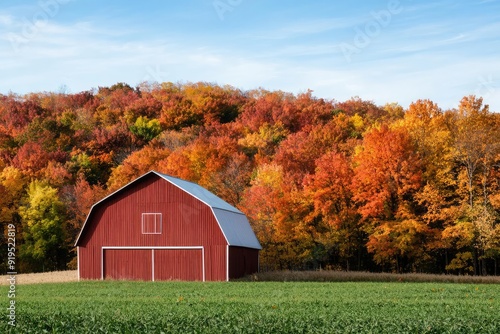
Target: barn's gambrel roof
[(233, 223), (200, 193)]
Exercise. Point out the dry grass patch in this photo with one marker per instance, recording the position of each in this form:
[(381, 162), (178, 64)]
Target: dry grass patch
[(50, 277), (356, 276)]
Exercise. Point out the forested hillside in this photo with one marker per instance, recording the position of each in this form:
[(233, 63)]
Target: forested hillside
[(340, 185)]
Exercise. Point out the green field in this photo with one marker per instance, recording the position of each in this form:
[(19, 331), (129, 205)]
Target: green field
[(254, 307)]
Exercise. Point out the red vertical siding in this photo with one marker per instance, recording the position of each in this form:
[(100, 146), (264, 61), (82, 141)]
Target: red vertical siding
[(117, 222), (216, 256), (127, 264), (90, 262), (243, 261), (178, 264)]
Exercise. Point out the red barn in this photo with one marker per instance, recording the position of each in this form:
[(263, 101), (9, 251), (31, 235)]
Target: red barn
[(159, 227)]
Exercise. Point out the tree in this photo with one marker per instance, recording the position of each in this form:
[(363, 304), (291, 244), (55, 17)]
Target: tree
[(401, 244), (135, 165), (198, 104), (329, 189), (147, 106), (266, 107), (12, 183), (366, 109), (43, 218), (386, 174), (475, 140), (264, 142), (260, 204), (145, 128), (78, 199), (230, 181), (477, 146), (299, 151), (31, 158)]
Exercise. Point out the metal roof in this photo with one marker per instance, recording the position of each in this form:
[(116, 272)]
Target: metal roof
[(200, 193), (236, 229), (233, 222)]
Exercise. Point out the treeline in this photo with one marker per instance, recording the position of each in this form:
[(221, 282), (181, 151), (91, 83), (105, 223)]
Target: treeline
[(326, 184)]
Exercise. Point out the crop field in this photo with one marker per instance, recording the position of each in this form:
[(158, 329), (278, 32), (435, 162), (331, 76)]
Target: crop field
[(254, 307)]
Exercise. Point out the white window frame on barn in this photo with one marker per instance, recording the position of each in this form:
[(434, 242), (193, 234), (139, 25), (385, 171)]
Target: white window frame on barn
[(157, 223)]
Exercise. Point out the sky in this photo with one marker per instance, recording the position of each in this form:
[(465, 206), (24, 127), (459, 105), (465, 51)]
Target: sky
[(384, 51)]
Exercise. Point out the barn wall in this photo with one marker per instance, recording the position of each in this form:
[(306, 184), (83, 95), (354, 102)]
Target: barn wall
[(216, 255), (89, 262), (242, 261), (185, 222)]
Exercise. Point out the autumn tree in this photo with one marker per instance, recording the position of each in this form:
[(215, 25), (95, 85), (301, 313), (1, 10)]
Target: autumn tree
[(43, 218), (299, 151), (370, 112), (78, 199), (263, 143), (313, 111), (136, 164), (386, 173), (12, 184), (334, 213), (146, 129), (113, 102), (476, 149), (198, 104), (260, 204), (386, 176), (266, 107), (146, 106), (31, 158)]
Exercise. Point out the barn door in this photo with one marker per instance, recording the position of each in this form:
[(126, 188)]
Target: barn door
[(127, 264), (178, 264)]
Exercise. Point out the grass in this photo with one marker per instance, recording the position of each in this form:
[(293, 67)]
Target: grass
[(287, 276), (255, 307), (357, 276)]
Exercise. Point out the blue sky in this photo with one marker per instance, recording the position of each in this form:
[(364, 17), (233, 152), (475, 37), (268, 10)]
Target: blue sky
[(384, 51)]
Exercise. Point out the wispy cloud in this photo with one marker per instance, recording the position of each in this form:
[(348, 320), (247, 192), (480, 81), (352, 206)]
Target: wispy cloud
[(6, 20), (303, 28)]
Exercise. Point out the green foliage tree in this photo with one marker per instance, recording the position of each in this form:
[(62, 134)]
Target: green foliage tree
[(146, 129), (43, 218)]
